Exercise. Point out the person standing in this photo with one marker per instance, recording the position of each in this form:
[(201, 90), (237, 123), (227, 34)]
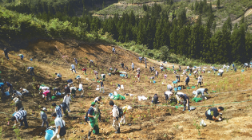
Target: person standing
[(102, 86), (60, 128), (145, 62), (187, 81), (155, 99), (6, 52), (20, 116), (44, 117), (91, 119), (200, 81), (84, 69), (18, 104), (132, 66), (57, 110), (67, 100), (115, 114), (73, 68)]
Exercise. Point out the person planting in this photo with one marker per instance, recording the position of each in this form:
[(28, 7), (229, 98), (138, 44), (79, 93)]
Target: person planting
[(212, 113)]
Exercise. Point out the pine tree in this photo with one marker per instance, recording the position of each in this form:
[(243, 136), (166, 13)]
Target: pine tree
[(173, 39)]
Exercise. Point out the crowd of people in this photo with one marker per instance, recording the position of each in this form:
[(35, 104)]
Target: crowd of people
[(94, 113)]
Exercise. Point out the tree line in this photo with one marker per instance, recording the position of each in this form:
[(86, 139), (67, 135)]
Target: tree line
[(180, 35)]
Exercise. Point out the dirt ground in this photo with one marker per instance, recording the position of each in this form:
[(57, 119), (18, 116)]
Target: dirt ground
[(147, 121)]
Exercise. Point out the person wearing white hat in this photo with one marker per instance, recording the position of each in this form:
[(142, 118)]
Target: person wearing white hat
[(44, 117)]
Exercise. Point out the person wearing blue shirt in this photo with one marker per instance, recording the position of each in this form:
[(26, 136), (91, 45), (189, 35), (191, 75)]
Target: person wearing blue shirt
[(73, 68), (31, 70), (21, 56), (59, 76), (186, 101), (2, 88), (10, 87)]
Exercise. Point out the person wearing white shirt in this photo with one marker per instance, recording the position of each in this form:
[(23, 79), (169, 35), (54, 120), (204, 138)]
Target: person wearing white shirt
[(168, 95), (169, 87), (200, 80), (178, 96), (81, 89), (97, 99), (67, 100), (115, 114), (24, 91)]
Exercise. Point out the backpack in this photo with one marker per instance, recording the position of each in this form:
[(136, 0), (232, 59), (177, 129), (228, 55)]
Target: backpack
[(62, 130), (120, 111), (86, 117)]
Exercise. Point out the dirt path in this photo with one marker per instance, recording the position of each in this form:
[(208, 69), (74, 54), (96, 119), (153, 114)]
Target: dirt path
[(247, 13)]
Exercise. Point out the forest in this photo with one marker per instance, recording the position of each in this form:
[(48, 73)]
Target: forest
[(156, 29)]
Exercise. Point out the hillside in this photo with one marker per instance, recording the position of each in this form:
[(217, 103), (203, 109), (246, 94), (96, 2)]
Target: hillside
[(230, 8), (147, 121)]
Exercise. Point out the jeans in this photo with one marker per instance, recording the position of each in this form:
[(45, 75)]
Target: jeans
[(49, 96), (68, 107), (43, 122), (32, 72), (184, 102), (25, 122), (6, 55), (74, 70)]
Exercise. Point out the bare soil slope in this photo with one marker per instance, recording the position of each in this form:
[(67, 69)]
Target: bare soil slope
[(147, 121)]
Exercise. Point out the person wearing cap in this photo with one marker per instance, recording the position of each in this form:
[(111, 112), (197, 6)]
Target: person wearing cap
[(212, 113), (59, 125), (102, 87), (31, 70), (59, 76), (67, 100), (20, 116), (44, 117), (84, 69), (78, 78), (115, 114), (76, 61), (24, 91), (185, 102), (91, 118), (57, 110), (200, 91)]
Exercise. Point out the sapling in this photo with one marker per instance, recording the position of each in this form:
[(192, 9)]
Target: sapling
[(17, 132)]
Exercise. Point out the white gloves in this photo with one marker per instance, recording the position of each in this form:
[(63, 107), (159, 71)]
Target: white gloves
[(95, 116), (58, 136), (219, 119), (14, 125)]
